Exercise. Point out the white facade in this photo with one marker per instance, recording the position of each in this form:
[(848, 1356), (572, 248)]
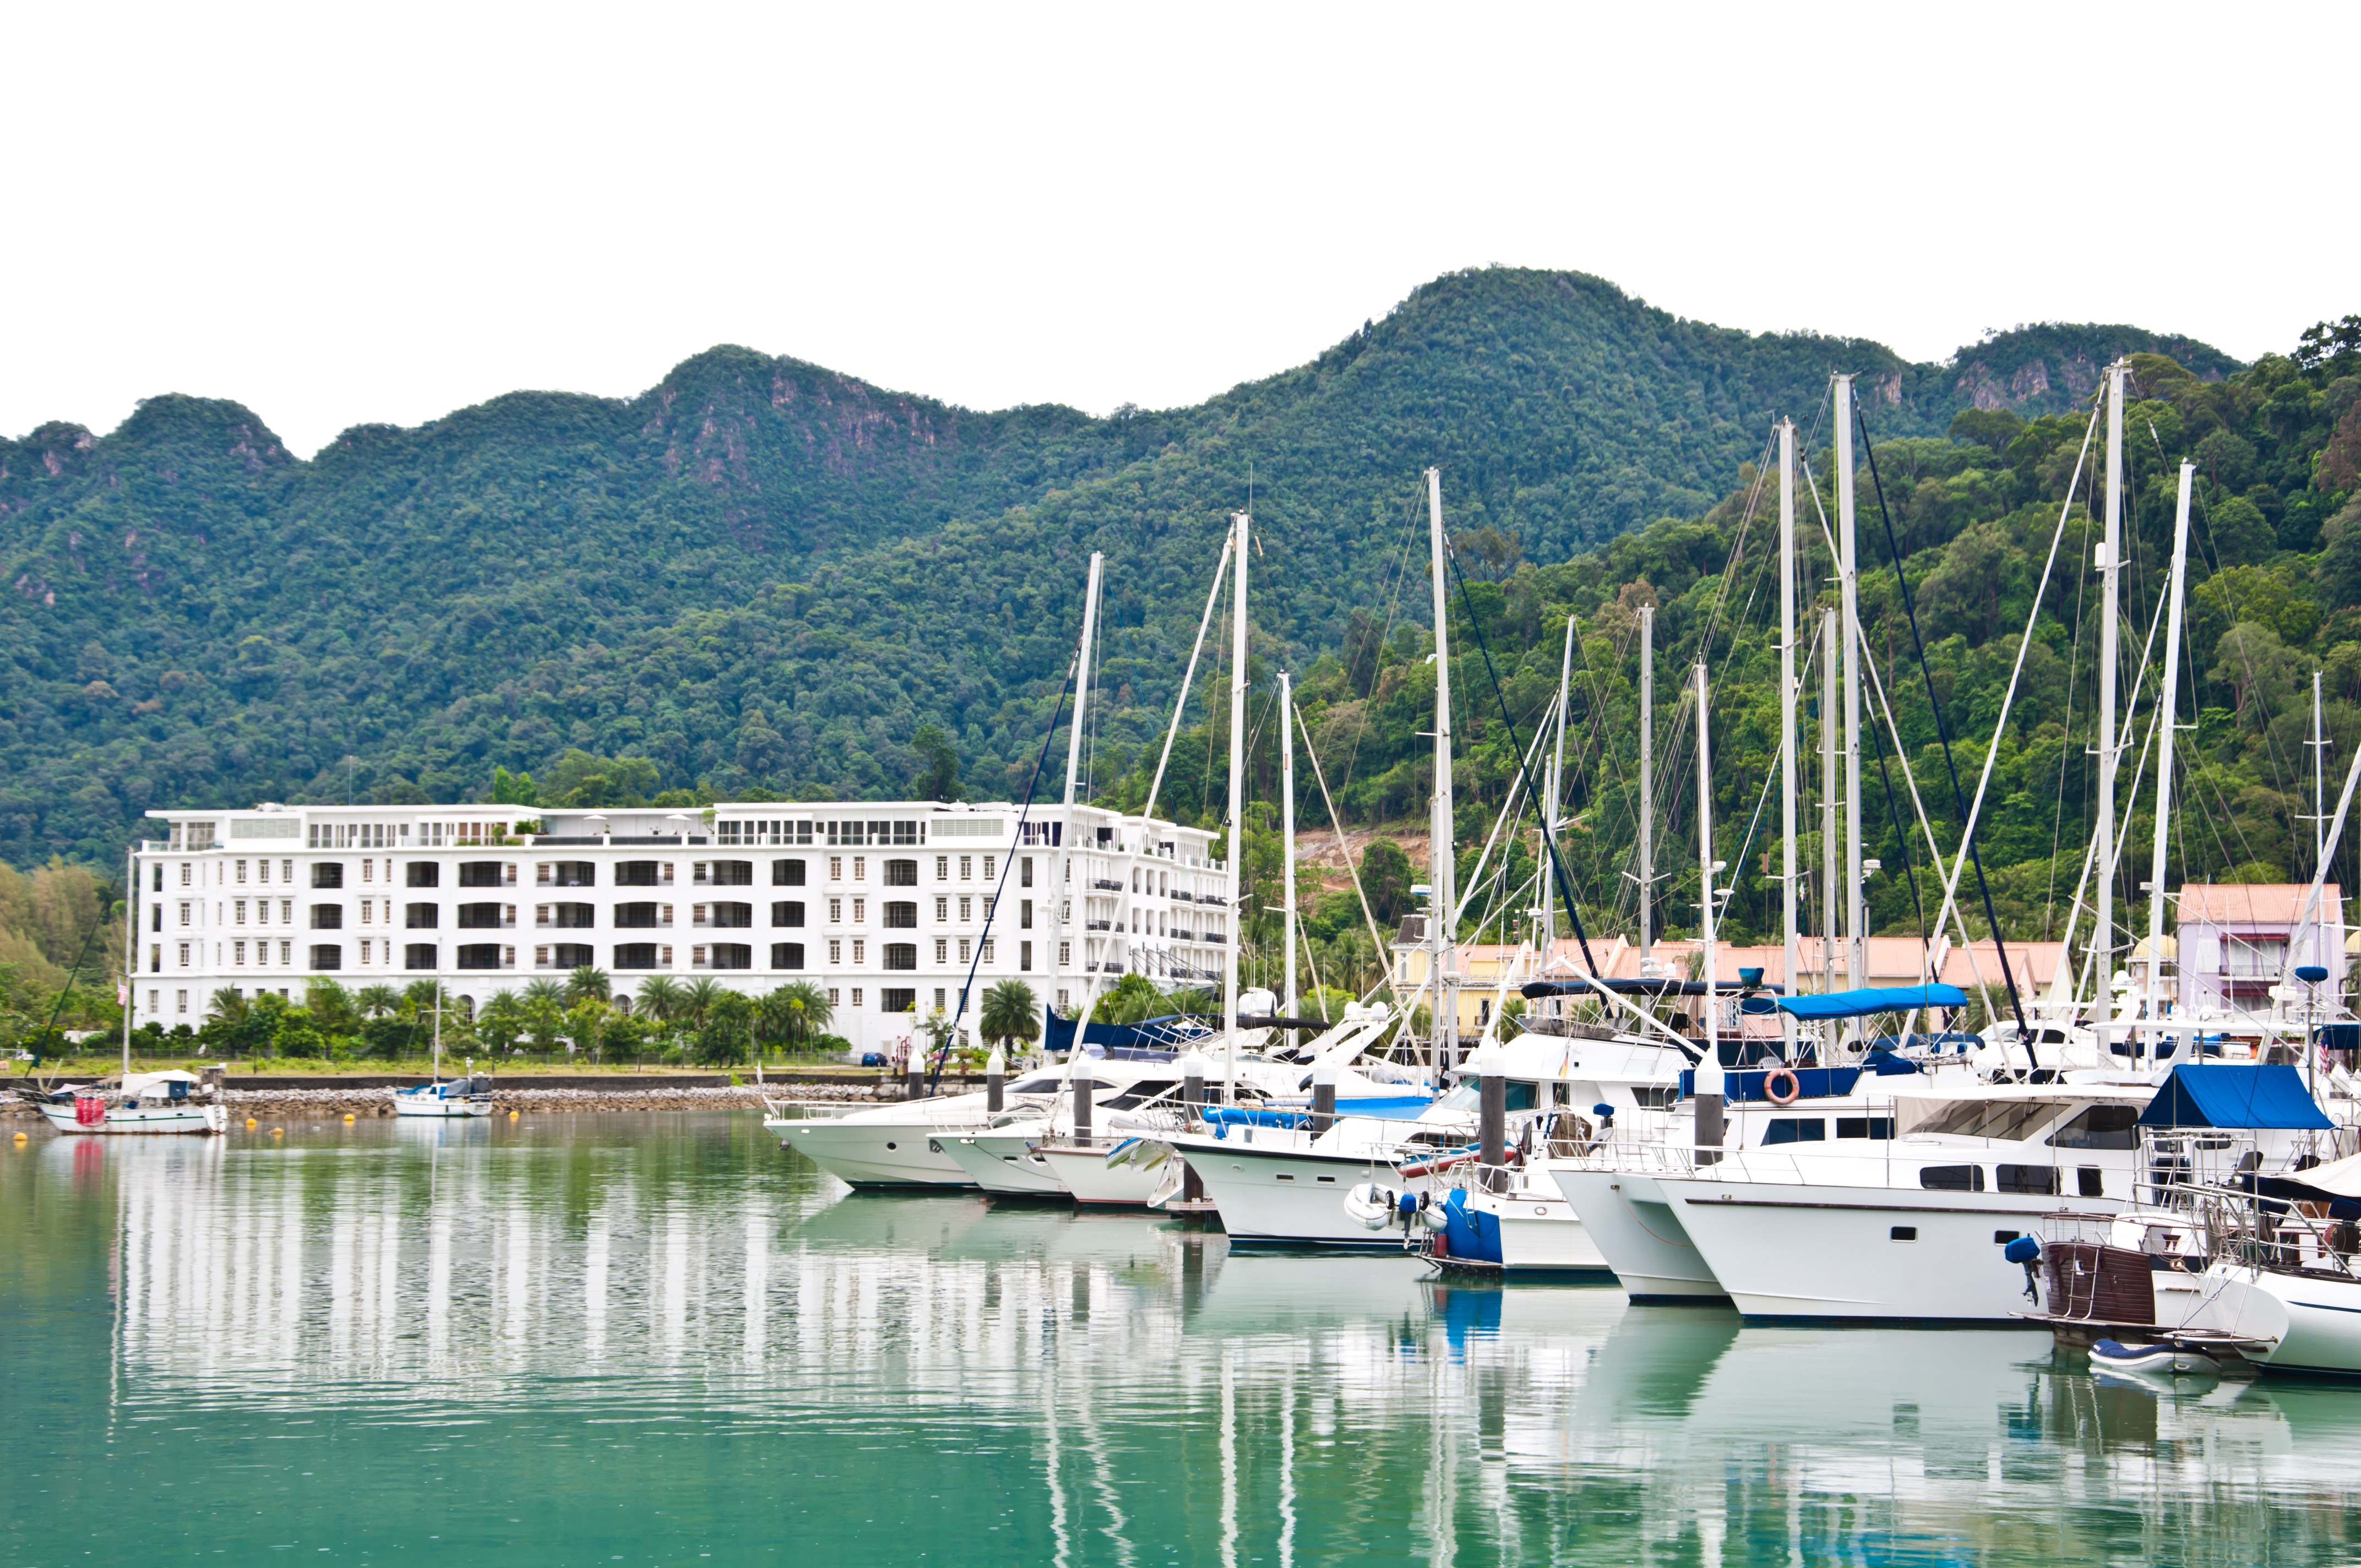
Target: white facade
[(882, 906)]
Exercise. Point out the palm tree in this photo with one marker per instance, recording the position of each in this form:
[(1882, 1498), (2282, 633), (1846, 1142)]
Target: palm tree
[(377, 1000), (545, 1009), (588, 983), (228, 1005), (330, 1004), (421, 996), (585, 1025), (659, 997), (502, 1019), (1009, 1013), (795, 1011), (698, 999)]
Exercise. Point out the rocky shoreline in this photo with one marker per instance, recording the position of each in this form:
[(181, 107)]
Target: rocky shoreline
[(377, 1100)]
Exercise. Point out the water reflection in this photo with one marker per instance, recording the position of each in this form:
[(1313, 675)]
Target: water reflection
[(570, 1330)]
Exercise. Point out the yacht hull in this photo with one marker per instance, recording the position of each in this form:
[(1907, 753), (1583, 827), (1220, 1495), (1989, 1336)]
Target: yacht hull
[(1003, 1164), (1085, 1173), (2302, 1321), (873, 1154), (429, 1105), (121, 1120), (1640, 1236), (1540, 1235), (1799, 1253), (1278, 1197)]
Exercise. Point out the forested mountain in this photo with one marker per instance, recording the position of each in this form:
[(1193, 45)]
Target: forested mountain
[(761, 577)]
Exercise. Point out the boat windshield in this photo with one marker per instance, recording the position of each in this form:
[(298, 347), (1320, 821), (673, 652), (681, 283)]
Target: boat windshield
[(2001, 1120)]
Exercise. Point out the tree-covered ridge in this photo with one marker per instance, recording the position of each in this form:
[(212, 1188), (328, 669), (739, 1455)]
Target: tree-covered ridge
[(763, 578), (2276, 596)]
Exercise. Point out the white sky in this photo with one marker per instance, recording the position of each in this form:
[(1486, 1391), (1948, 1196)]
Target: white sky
[(337, 215)]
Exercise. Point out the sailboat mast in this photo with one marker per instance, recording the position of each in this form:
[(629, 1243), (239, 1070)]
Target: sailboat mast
[(1788, 719), (2319, 780), (1287, 825), (1856, 913), (2103, 921), (1829, 892), (1062, 865), (1236, 903), (1647, 775), (1441, 868), (1556, 800), (2165, 700), (130, 946), (1706, 866)]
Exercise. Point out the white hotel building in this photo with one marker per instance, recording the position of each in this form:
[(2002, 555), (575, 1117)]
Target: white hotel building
[(885, 910)]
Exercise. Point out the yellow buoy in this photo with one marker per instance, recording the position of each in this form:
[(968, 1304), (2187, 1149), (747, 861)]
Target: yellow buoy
[(512, 1115), (20, 1137), (349, 1115), (278, 1132), (249, 1121)]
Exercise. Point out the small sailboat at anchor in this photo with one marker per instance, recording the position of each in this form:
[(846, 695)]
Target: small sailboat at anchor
[(468, 1096)]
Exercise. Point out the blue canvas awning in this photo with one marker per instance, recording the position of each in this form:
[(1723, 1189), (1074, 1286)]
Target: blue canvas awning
[(1872, 999), (2233, 1095)]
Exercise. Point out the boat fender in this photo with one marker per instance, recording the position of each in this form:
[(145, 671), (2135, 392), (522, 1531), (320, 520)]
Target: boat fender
[(1430, 1213), (1371, 1205), (1770, 1082), (2026, 1251)]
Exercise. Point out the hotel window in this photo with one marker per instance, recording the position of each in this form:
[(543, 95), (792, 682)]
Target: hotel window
[(1024, 957), (786, 873), (836, 912), (262, 912), (180, 1001), (287, 870), (1065, 954), (786, 955), (859, 950), (185, 873), (859, 911), (540, 957), (155, 958), (942, 868), (184, 955), (860, 866), (184, 912), (939, 999), (286, 953), (967, 912), (835, 867), (262, 870), (856, 996), (987, 952), (963, 950), (239, 906), (834, 997), (965, 863), (835, 952), (1025, 915), (369, 870), (1065, 1002), (241, 873), (942, 950), (785, 912), (237, 952), (365, 912), (942, 910), (1024, 872), (365, 952), (287, 912), (987, 868)]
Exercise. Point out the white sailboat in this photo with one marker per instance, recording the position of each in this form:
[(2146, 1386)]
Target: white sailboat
[(173, 1101), (468, 1096)]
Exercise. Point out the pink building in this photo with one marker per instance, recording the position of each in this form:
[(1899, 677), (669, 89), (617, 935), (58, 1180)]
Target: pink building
[(2235, 940)]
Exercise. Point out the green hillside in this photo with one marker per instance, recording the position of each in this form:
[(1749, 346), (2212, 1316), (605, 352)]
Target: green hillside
[(763, 578)]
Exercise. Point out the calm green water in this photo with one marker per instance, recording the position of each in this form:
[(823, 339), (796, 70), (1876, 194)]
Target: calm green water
[(660, 1340)]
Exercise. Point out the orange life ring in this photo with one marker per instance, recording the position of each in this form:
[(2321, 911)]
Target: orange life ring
[(1795, 1086)]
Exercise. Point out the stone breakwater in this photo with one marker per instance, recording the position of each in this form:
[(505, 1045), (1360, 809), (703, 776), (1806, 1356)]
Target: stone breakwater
[(375, 1101)]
